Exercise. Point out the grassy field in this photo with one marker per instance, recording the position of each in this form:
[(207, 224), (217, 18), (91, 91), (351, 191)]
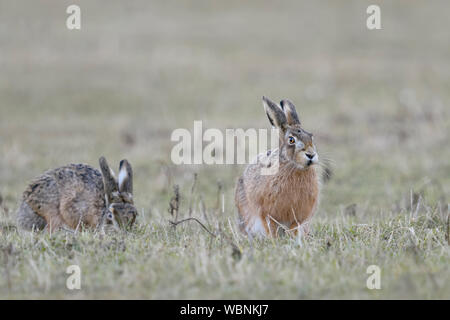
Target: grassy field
[(377, 102)]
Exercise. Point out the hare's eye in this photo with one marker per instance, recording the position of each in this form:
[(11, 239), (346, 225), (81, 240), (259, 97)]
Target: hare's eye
[(291, 140)]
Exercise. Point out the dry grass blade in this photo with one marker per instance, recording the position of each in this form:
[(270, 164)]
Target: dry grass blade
[(448, 229), (219, 194), (3, 208), (175, 223), (8, 251), (174, 204), (236, 253), (191, 198), (351, 209)]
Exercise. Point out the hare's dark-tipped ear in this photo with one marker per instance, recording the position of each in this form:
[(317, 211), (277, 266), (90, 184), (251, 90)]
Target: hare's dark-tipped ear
[(125, 177), (290, 112), (276, 116), (109, 180)]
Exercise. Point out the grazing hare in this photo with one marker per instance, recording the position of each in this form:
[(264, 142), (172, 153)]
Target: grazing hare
[(79, 195), (289, 196)]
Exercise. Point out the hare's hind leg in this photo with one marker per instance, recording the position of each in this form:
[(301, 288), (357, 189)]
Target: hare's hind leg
[(55, 223), (71, 213), (260, 227), (294, 228), (27, 219), (80, 209)]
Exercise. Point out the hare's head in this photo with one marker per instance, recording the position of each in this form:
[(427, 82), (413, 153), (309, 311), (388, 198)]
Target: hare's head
[(119, 193), (296, 144)]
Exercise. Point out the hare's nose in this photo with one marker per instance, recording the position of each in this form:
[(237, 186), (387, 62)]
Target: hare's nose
[(310, 155)]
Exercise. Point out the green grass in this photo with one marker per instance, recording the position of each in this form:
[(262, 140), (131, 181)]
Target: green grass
[(157, 261), (377, 102)]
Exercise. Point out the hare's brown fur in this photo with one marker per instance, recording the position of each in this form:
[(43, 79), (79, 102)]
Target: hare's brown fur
[(71, 196), (288, 197), (67, 196)]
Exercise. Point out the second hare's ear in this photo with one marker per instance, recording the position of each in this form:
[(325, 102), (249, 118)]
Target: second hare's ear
[(125, 177), (276, 116), (109, 180), (291, 114)]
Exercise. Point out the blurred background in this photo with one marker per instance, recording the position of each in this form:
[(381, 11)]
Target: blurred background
[(377, 101)]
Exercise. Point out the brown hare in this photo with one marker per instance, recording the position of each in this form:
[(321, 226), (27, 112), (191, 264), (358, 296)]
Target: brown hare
[(78, 195), (288, 197)]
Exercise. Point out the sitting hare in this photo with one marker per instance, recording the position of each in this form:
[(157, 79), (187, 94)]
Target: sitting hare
[(79, 195), (289, 196)]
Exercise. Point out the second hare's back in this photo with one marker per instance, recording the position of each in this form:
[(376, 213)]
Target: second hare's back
[(67, 195)]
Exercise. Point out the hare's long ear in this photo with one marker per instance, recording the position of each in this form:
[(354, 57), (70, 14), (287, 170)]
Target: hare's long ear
[(290, 112), (125, 177), (109, 180), (276, 116)]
